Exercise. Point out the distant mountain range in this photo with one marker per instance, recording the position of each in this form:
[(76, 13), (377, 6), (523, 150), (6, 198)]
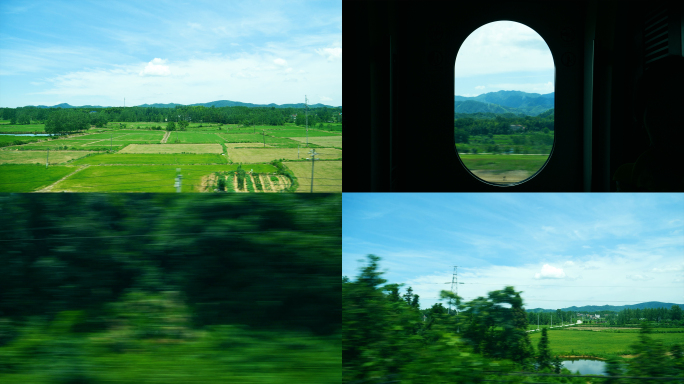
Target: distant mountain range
[(516, 102), (615, 308), (217, 104)]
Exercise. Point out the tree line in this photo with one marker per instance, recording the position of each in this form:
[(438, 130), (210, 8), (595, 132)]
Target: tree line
[(487, 124), (626, 316), (223, 115), (387, 338), (266, 261)]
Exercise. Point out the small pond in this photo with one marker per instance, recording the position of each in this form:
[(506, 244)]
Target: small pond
[(585, 366)]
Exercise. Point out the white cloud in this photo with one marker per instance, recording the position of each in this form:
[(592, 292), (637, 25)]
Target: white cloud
[(480, 87), (324, 98), (569, 263), (241, 77), (195, 26), (639, 277), (155, 68), (280, 62), (549, 272), (331, 53)]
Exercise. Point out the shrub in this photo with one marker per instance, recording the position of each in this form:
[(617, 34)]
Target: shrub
[(222, 183)]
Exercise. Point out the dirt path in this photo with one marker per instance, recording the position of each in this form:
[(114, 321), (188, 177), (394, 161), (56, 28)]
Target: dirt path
[(49, 187), (166, 137)]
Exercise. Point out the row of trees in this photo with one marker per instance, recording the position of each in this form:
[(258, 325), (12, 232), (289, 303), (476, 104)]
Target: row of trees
[(624, 317), (499, 124), (224, 115), (266, 261), (387, 338)]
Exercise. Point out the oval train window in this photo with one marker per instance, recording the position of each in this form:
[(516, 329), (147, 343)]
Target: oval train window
[(504, 103)]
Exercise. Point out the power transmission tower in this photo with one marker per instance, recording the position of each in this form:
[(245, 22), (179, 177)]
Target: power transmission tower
[(306, 109), (454, 284)]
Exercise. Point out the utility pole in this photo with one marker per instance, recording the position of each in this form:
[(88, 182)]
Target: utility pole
[(313, 154), (46, 159), (306, 109), (537, 321), (179, 179), (264, 135)]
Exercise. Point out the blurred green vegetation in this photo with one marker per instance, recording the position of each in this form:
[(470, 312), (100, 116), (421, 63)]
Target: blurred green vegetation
[(387, 338), (166, 288)]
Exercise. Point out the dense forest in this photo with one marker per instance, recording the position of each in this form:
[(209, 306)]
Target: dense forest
[(134, 272), (386, 338), (81, 118)]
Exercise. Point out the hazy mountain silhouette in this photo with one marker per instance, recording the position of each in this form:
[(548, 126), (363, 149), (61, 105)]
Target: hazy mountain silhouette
[(616, 308), (219, 103), (516, 102)]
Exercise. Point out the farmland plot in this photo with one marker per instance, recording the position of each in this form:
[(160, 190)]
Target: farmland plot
[(172, 148), (300, 132), (264, 155), (125, 158), (28, 178), (145, 178), (327, 175), (323, 141), (195, 137), (32, 157)]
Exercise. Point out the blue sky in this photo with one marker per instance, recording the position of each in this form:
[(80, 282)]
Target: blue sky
[(559, 249), (98, 52), (503, 55)]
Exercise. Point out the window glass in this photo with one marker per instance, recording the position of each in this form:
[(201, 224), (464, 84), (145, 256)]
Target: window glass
[(504, 103)]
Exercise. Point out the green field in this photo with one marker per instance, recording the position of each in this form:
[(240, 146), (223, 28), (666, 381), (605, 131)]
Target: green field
[(570, 342), (172, 148), (28, 178), (125, 158), (300, 132), (145, 178), (97, 153), (222, 354), (28, 128), (194, 137)]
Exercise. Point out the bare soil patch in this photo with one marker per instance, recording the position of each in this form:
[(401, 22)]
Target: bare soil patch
[(207, 183)]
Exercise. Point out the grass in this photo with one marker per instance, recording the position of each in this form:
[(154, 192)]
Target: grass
[(145, 178), (300, 132), (10, 139), (32, 157), (326, 141), (327, 175), (173, 148), (602, 344), (28, 128), (118, 158), (259, 155), (504, 163), (195, 137), (28, 178), (222, 354)]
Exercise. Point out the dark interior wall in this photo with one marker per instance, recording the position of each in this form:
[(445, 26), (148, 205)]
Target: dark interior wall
[(399, 87)]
